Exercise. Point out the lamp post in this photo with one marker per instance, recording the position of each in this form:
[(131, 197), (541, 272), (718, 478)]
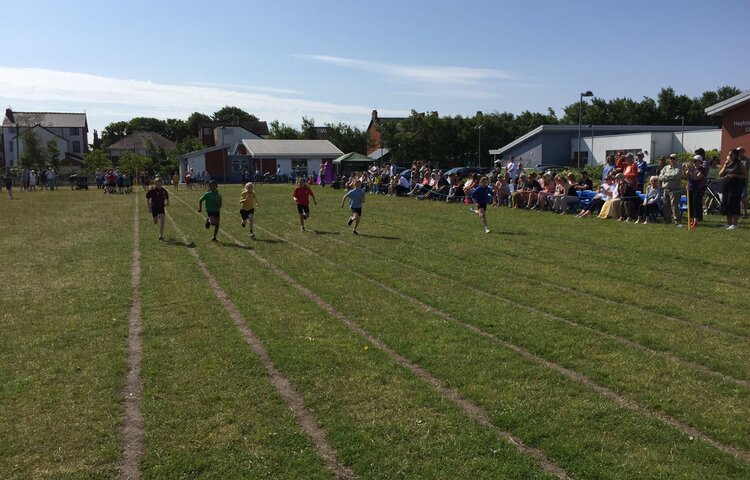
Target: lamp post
[(682, 135), (12, 119), (478, 128), (591, 126), (587, 93)]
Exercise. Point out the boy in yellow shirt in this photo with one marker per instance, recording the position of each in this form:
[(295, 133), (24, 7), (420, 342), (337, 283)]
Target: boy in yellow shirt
[(248, 202)]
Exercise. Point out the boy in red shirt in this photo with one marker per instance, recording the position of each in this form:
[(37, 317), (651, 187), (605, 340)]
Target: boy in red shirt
[(301, 196)]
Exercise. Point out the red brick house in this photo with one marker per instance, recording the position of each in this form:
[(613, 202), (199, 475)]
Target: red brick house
[(735, 122)]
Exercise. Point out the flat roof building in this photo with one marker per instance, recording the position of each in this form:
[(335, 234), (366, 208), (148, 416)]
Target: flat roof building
[(558, 144)]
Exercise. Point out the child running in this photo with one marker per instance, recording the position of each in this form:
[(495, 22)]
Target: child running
[(213, 207), (481, 196), (301, 196), (158, 198), (356, 199), (248, 202)]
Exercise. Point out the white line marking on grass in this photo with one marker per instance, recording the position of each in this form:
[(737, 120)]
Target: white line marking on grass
[(474, 411), (304, 418), (605, 299), (132, 427), (625, 341), (567, 372)]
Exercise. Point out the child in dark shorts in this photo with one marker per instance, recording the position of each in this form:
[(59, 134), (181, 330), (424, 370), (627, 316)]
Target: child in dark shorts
[(158, 198), (213, 207), (301, 197), (481, 196), (248, 202)]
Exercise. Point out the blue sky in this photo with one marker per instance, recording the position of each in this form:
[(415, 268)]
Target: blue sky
[(336, 61)]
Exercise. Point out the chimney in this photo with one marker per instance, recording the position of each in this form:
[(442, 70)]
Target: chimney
[(374, 114)]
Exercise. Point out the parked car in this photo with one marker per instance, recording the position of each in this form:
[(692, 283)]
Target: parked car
[(465, 171), (551, 168)]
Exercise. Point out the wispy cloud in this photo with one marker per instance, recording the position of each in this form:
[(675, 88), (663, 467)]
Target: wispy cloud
[(107, 97), (424, 74), (240, 86)]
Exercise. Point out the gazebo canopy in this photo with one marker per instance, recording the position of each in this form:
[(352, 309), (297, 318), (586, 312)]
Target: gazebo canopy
[(352, 157)]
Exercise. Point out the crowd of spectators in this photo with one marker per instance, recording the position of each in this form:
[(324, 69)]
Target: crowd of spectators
[(625, 192)]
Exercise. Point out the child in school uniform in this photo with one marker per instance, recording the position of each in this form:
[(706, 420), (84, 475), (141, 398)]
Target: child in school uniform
[(248, 202), (301, 197), (213, 207)]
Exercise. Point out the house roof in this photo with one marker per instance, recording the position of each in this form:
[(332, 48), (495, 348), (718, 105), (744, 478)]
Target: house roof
[(201, 152), (291, 148), (728, 104), (137, 140), (47, 119), (602, 129), (257, 127), (380, 152)]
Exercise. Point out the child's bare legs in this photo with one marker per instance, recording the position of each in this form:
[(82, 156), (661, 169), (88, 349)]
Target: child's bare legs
[(215, 223), (160, 218)]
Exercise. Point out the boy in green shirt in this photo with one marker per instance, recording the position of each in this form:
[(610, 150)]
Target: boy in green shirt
[(213, 206)]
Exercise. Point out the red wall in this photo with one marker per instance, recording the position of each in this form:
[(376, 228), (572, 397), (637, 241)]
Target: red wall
[(215, 164), (735, 129)]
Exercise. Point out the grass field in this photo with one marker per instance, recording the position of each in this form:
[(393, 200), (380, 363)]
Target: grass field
[(423, 348)]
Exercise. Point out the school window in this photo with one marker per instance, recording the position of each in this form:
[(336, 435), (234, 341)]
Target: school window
[(11, 146), (239, 164), (299, 166), (76, 146), (74, 131)]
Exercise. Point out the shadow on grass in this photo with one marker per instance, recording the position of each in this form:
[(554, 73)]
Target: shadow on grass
[(234, 245), (267, 240), (323, 232), (382, 237), (178, 243), (511, 234)]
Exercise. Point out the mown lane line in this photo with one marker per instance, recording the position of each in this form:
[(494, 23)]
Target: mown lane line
[(474, 411), (623, 340), (304, 418), (571, 374), (132, 426), (605, 299)]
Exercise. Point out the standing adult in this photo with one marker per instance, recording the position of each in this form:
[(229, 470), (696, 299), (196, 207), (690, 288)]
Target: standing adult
[(671, 184), (735, 179), (51, 178), (696, 187), (631, 171), (609, 168), (745, 163), (25, 179), (8, 182), (510, 169), (642, 166)]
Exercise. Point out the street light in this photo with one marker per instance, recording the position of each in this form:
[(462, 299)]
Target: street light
[(682, 136), (478, 128), (587, 93)]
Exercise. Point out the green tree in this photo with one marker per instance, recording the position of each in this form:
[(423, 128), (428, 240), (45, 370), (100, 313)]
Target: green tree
[(145, 124), (308, 129), (114, 132), (282, 131), (348, 138), (133, 163), (33, 155), (53, 154), (233, 114), (97, 141), (96, 159), (193, 122), (176, 130)]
